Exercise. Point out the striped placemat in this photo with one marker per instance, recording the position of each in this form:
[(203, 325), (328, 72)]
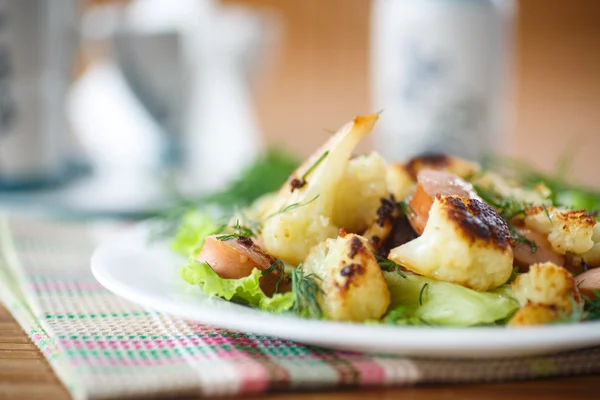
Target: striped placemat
[(103, 347)]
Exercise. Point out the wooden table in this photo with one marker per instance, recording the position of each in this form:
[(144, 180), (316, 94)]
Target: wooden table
[(25, 374)]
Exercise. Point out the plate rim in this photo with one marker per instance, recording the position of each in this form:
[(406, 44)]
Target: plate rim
[(415, 340)]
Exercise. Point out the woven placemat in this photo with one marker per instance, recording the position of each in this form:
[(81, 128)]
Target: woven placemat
[(103, 347)]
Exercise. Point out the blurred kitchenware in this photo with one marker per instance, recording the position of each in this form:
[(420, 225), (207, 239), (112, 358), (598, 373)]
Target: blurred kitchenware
[(191, 68), (440, 70), (38, 40)]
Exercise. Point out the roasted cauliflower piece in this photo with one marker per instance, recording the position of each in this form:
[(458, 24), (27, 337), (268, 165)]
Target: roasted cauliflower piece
[(567, 230), (302, 214), (352, 284), (464, 242), (399, 181), (592, 256), (359, 192), (383, 224), (546, 294)]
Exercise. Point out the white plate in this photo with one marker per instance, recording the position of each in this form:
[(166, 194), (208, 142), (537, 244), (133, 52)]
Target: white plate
[(145, 272)]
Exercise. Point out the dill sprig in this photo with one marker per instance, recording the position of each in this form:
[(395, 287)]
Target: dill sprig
[(307, 290), (592, 305), (507, 208), (279, 266), (240, 231), (315, 165), (547, 213), (389, 265), (293, 206), (422, 292), (405, 208), (563, 192), (300, 183), (577, 313), (518, 239)]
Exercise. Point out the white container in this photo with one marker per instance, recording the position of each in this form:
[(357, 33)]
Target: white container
[(441, 73), (37, 48)]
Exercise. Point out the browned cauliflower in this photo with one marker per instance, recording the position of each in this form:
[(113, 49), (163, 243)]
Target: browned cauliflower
[(464, 242), (358, 194), (353, 286), (567, 230), (546, 294), (302, 214)]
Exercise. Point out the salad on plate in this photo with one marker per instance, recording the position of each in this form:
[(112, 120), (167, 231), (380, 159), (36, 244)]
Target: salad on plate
[(436, 240)]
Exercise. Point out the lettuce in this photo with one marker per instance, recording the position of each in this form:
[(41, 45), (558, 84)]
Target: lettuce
[(416, 300), (194, 228), (244, 290)]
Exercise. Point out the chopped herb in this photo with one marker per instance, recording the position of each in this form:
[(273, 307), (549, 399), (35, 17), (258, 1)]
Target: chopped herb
[(307, 290), (389, 265), (547, 212), (425, 286), (315, 165), (577, 313), (405, 208), (505, 207), (293, 206), (518, 239), (240, 232), (277, 265), (585, 265), (592, 305)]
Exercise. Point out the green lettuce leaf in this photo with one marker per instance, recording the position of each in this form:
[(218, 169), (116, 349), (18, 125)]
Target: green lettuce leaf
[(244, 290), (194, 228), (416, 300)]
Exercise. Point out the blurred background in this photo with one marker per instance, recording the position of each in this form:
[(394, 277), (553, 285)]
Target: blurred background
[(112, 106)]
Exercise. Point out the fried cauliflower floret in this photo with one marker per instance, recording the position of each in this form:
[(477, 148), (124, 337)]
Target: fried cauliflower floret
[(352, 284), (358, 194), (383, 224), (567, 230), (546, 293), (399, 181), (464, 242), (302, 214), (592, 256), (500, 185)]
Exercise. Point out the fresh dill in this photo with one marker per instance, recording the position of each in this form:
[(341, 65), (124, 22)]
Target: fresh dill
[(518, 239), (279, 266), (547, 212), (307, 290), (293, 206), (405, 208), (389, 265), (422, 292), (592, 305), (577, 313), (240, 231), (315, 165), (505, 207)]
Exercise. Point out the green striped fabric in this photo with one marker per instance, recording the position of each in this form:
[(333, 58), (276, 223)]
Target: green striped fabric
[(103, 347)]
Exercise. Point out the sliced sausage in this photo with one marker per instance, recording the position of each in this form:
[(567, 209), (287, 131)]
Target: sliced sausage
[(429, 184), (236, 258)]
